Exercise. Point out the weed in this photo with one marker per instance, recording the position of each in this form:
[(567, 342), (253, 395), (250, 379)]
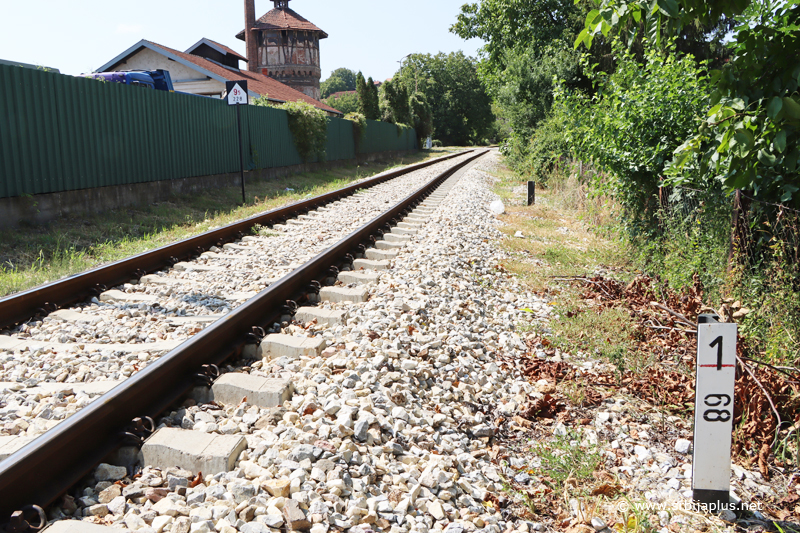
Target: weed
[(564, 460), (263, 231), (603, 332), (575, 392), (635, 518), (788, 448), (617, 358)]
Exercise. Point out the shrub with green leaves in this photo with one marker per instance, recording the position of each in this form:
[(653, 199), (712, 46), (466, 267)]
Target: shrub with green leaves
[(309, 127), (359, 128), (345, 102), (548, 147), (638, 117), (751, 136)]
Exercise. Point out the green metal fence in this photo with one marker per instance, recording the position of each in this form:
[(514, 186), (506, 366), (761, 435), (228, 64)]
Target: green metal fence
[(383, 134), (61, 133)]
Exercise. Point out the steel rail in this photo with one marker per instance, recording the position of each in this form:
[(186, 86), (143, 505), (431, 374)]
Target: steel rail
[(47, 467), (22, 306)]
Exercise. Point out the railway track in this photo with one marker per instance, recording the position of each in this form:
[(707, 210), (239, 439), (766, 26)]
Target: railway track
[(40, 301), (222, 326)]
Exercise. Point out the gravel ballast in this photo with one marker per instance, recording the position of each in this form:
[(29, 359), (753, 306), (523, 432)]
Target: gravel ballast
[(393, 427), (45, 364)]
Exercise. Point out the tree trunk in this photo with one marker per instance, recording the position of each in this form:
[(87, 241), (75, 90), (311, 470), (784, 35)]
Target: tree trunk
[(740, 229)]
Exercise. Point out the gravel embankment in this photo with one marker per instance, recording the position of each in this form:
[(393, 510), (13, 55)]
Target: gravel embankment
[(131, 326), (387, 430), (394, 427)]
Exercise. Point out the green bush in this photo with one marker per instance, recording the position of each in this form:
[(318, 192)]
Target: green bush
[(402, 128), (359, 128), (638, 117), (694, 239), (547, 149), (421, 117), (346, 103), (309, 127)]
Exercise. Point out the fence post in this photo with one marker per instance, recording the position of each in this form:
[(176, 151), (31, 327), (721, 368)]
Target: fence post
[(738, 226), (531, 192)]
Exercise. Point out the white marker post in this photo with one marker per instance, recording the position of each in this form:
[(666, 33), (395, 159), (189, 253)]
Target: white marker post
[(713, 412), (237, 95)]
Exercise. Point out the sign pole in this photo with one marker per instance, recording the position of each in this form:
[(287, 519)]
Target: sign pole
[(241, 157), (713, 413), (237, 96)]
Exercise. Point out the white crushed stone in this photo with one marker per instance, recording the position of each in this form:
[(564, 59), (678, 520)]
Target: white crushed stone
[(240, 271), (388, 428)]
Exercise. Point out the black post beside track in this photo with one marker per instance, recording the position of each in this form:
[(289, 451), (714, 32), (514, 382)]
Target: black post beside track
[(22, 306), (47, 467)]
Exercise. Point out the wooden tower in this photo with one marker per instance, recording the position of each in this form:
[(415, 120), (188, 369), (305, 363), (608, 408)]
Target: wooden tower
[(284, 46)]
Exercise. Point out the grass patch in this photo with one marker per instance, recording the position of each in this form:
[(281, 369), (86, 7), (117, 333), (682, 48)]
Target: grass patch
[(564, 235), (563, 465), (561, 237), (33, 255), (607, 332), (564, 461)]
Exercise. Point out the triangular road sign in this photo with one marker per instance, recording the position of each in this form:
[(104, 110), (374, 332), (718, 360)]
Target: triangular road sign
[(237, 92)]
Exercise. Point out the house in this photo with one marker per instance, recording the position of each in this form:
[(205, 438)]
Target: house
[(204, 68)]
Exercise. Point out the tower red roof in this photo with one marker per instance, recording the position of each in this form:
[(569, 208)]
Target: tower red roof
[(283, 19)]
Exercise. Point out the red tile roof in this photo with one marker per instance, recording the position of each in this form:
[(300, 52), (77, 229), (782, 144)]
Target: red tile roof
[(283, 19), (340, 93), (258, 83)]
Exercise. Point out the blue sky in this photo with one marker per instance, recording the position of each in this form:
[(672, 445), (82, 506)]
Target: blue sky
[(367, 35)]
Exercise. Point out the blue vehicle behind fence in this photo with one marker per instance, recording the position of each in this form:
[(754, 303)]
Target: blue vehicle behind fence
[(151, 79)]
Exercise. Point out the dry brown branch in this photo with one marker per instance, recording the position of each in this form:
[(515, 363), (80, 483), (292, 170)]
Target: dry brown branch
[(690, 331), (585, 280), (769, 398), (676, 314), (788, 370)]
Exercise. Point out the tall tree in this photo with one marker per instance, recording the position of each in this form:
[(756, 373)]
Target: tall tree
[(421, 116), (363, 95), (346, 103), (341, 79), (395, 97), (509, 24), (462, 112), (373, 108)]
